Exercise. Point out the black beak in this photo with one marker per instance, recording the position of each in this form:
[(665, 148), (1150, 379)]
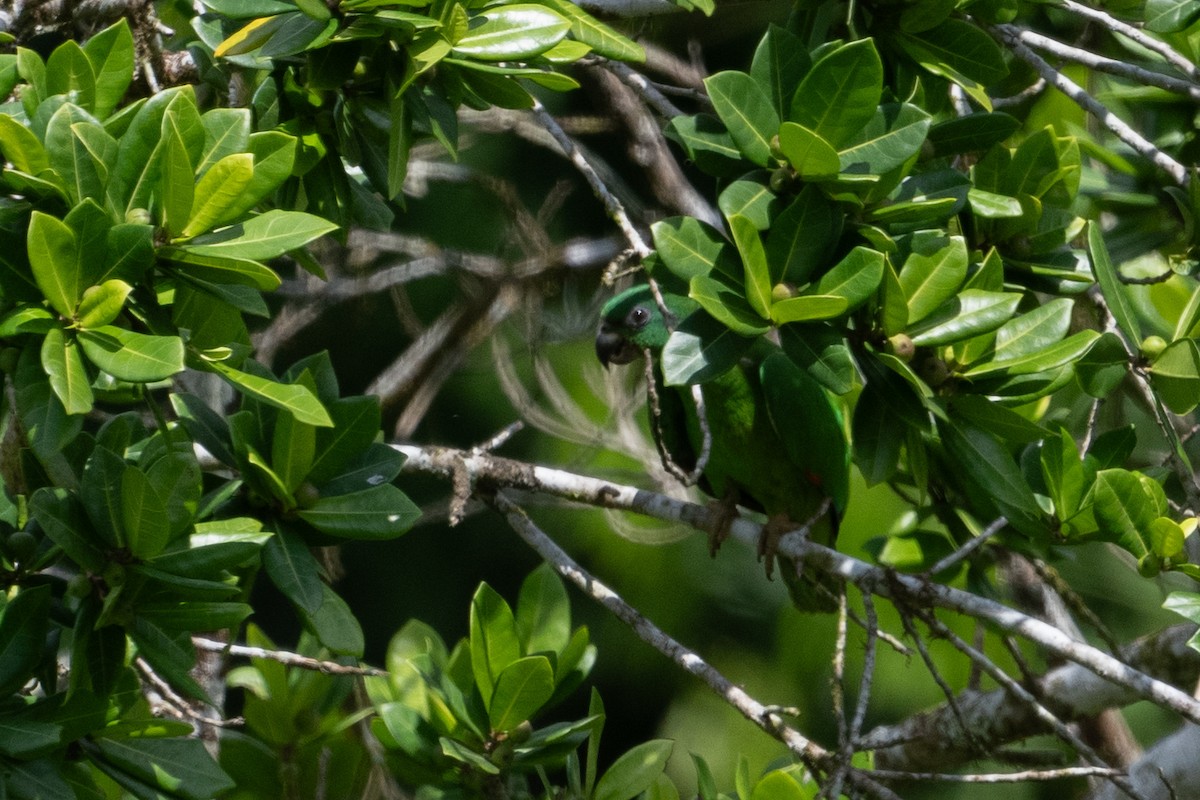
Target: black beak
[(613, 348)]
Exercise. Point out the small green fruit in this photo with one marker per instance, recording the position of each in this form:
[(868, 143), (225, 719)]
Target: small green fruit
[(307, 495), (782, 291), (79, 587), (781, 180), (139, 216), (1152, 347), (21, 546), (902, 347), (1149, 565)]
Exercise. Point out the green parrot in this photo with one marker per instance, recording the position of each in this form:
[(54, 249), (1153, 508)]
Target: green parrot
[(778, 442)]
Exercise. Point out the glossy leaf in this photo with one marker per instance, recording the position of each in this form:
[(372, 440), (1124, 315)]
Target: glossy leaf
[(381, 512), (968, 314), (893, 136), (110, 53), (1033, 331), (779, 64), (801, 237), (522, 688), (971, 133), (513, 32), (69, 72), (494, 640), (167, 765), (749, 199), (292, 398), (602, 39), (62, 518), (131, 356), (67, 374), (265, 236), (543, 615), (634, 771), (101, 304), (689, 247), (990, 467), (1175, 375), (840, 93), (808, 308), (221, 269), (1126, 504), (24, 623), (293, 569), (855, 277), (811, 156), (754, 261), (822, 352), (143, 514), (700, 349), (933, 272), (52, 256), (747, 112)]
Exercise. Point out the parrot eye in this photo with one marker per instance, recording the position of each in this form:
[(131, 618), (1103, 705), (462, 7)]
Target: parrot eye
[(638, 317)]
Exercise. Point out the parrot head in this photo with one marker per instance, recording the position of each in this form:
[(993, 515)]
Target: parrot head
[(632, 322)]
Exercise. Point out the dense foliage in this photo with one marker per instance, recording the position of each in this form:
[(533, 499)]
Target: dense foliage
[(970, 262)]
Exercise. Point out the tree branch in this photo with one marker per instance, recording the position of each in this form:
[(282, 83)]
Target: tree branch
[(486, 470)]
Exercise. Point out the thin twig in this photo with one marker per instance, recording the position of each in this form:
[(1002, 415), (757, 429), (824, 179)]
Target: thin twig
[(285, 657), (640, 84), (614, 208), (1176, 59), (996, 777), (1061, 729), (179, 704), (1075, 92), (1104, 64), (959, 555), (813, 755)]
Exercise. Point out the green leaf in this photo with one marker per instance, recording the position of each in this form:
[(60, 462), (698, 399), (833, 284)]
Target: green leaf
[(1175, 375), (175, 766), (356, 423), (69, 72), (513, 32), (971, 133), (24, 621), (811, 156), (856, 277), (877, 437), (101, 304), (778, 785), (264, 236), (219, 189), (293, 569), (1002, 422), (700, 349), (70, 155), (52, 249), (726, 305), (494, 640), (707, 143), (130, 356), (21, 147), (602, 39), (1052, 357), (960, 52), (634, 771), (893, 136), (750, 199), (381, 512), (61, 516), (221, 269), (68, 377), (1062, 469), (746, 111), (1168, 16), (808, 308), (780, 62), (754, 261), (176, 179), (689, 247), (934, 269), (110, 53), (543, 617), (335, 625), (293, 446), (1126, 504), (144, 514), (971, 313), (983, 460), (293, 398), (840, 93), (1038, 329), (822, 352), (989, 205), (802, 236), (522, 688)]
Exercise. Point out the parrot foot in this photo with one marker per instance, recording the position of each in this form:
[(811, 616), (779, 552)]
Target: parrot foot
[(768, 541), (725, 512)]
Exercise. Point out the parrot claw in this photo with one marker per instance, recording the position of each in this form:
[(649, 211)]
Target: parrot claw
[(768, 541), (725, 511)]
